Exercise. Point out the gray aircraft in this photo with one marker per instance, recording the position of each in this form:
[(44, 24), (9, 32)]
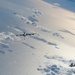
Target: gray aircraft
[(25, 34)]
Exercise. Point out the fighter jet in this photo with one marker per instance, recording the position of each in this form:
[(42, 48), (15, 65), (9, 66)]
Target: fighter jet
[(72, 65), (26, 34)]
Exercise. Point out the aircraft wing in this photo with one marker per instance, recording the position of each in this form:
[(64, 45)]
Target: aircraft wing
[(30, 34), (19, 35)]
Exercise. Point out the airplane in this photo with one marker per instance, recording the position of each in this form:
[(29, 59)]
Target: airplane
[(72, 65), (26, 34)]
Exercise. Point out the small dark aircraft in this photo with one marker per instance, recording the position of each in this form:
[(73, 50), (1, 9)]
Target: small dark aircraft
[(25, 34), (72, 65)]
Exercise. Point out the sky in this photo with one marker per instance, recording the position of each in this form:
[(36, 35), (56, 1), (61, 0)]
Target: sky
[(50, 51)]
